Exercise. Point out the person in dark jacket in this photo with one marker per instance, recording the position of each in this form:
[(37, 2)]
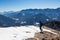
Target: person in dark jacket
[(40, 26)]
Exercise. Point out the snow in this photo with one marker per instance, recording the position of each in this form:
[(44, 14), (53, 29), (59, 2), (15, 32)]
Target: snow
[(49, 31), (19, 33)]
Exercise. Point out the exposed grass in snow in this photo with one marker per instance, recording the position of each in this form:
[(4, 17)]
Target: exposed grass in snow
[(48, 34), (45, 36)]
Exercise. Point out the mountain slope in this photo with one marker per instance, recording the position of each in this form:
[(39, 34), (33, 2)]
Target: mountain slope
[(6, 21)]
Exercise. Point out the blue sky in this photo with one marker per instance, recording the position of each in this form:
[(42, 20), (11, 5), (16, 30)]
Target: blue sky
[(16, 5)]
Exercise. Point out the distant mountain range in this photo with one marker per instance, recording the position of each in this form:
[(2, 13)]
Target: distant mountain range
[(29, 16), (51, 13)]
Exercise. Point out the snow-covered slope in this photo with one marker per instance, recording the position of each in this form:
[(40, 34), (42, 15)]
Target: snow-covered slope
[(18, 33)]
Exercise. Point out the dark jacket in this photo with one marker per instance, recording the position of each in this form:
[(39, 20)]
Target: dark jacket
[(40, 24)]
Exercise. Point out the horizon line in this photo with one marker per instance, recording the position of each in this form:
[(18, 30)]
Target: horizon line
[(25, 9)]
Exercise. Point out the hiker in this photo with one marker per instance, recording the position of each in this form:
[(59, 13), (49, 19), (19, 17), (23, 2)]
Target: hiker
[(40, 26)]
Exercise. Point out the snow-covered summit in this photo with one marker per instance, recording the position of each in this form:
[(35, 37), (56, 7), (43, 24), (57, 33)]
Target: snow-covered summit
[(19, 33)]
